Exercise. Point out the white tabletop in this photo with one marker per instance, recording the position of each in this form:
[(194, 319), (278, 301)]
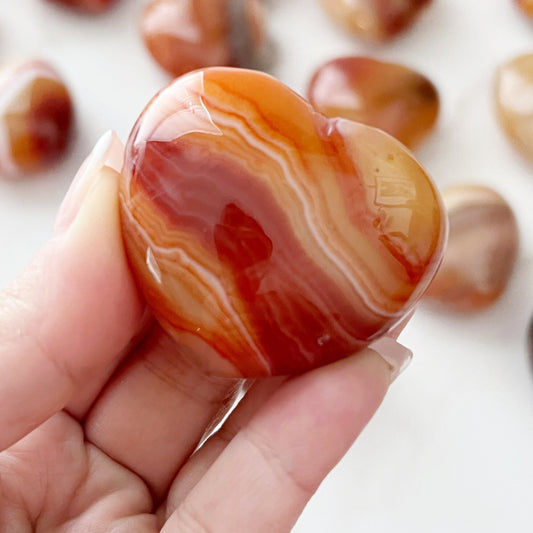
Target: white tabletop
[(451, 449)]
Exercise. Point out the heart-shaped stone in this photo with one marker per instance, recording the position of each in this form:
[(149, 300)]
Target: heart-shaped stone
[(267, 238)]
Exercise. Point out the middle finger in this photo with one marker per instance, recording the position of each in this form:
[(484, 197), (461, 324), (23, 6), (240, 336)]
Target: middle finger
[(154, 411)]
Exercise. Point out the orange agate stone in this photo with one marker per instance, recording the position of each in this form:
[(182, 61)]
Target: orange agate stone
[(184, 35), (514, 102), (267, 238), (391, 97), (377, 20), (36, 114), (90, 6), (526, 6), (482, 249)]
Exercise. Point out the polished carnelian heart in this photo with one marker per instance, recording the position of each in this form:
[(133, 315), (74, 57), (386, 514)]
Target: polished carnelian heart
[(267, 238)]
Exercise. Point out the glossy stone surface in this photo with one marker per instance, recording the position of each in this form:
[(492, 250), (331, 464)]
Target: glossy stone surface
[(514, 102), (184, 35), (36, 115), (526, 6), (377, 20), (89, 6), (388, 96), (266, 238), (481, 252)]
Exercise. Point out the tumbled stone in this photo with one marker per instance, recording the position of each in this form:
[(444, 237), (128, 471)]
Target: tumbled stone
[(514, 102), (266, 238), (36, 115), (89, 6), (184, 35), (378, 20), (481, 252), (388, 96), (526, 6)]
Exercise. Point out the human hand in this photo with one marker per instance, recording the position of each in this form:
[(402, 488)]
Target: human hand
[(100, 416)]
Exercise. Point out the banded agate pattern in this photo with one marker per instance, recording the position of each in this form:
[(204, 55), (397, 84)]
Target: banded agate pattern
[(36, 116), (267, 238)]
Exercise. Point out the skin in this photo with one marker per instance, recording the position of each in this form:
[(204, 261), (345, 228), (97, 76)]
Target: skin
[(99, 418)]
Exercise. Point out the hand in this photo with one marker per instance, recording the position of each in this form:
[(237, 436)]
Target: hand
[(100, 417)]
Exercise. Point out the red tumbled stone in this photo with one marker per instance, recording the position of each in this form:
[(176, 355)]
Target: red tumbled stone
[(183, 35), (388, 96)]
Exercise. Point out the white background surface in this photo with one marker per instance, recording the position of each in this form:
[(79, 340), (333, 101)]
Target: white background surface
[(451, 449)]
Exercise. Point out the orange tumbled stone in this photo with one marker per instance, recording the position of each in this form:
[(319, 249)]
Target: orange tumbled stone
[(514, 102), (267, 238), (184, 35), (89, 6), (36, 114), (388, 96), (481, 252), (377, 20), (526, 6)]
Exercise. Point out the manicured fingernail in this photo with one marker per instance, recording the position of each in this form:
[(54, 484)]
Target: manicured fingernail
[(395, 354), (106, 152)]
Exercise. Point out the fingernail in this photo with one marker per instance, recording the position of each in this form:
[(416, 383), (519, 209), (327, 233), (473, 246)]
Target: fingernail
[(395, 354), (106, 152)]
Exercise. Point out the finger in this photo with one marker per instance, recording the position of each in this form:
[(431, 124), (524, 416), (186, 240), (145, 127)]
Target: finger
[(65, 319), (202, 459), (151, 416), (206, 455), (267, 473)]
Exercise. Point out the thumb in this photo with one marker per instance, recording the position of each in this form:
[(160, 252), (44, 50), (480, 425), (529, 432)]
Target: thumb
[(66, 318)]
